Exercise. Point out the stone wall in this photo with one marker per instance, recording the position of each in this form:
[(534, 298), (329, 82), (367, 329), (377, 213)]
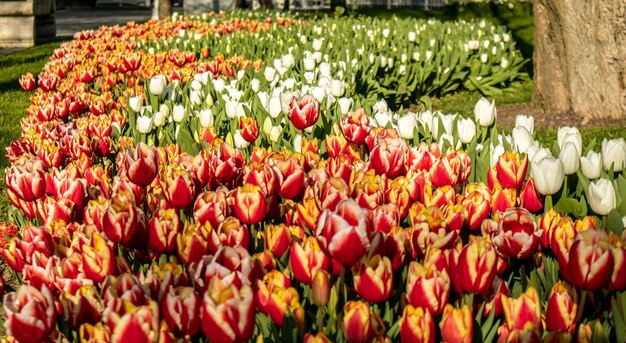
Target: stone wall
[(26, 23)]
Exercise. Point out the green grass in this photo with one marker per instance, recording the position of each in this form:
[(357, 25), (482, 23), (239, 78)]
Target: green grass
[(13, 101)]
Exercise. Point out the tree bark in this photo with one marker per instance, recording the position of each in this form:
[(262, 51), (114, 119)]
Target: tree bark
[(580, 57)]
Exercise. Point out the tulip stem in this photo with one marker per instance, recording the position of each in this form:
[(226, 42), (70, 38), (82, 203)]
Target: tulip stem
[(319, 319), (548, 202), (581, 308), (523, 276)]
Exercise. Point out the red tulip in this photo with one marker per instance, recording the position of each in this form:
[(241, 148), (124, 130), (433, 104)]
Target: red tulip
[(84, 306), (522, 318), (142, 164), (368, 189), (263, 176), (250, 204), (516, 235), (227, 312), (94, 333), (427, 287), (249, 129), (304, 112), (292, 178), (373, 278), (211, 207), (319, 337), (355, 127), (562, 308), (98, 258), (529, 198), (230, 233), (278, 238), (30, 314), (306, 259), (360, 325), (345, 232), (387, 157), (178, 186), (457, 325), (138, 323), (26, 180), (510, 170), (445, 171), (477, 207), (193, 242), (181, 310), (119, 220), (164, 227), (321, 287), (417, 325), (476, 266), (27, 82), (590, 260)]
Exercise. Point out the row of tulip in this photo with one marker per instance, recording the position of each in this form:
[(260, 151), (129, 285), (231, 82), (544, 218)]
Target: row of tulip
[(151, 204)]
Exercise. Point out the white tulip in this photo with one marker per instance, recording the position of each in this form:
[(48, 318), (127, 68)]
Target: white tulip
[(159, 119), (496, 152), (485, 112), (382, 118), (324, 69), (269, 73), (406, 126), (426, 119), (254, 85), (345, 104), (591, 164), (324, 81), (157, 85), (386, 32), (287, 61), (285, 101), (231, 108), (567, 134), (473, 44), (309, 76), (614, 153), (309, 63), (274, 134), (317, 56), (206, 117), (219, 84), (522, 139), (317, 44), (337, 88), (135, 103), (526, 121), (466, 129), (275, 107), (429, 54), (602, 198), (448, 122), (144, 124), (548, 174), (178, 114), (240, 143), (484, 58), (412, 36), (504, 63), (319, 93), (380, 106), (196, 85), (570, 156)]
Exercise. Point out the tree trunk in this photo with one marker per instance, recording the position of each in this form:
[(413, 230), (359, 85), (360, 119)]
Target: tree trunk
[(580, 57), (165, 8)]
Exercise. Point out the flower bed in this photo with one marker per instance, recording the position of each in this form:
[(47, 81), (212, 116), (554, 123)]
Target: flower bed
[(228, 177)]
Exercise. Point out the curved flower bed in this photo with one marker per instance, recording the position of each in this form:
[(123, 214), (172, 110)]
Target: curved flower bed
[(165, 191)]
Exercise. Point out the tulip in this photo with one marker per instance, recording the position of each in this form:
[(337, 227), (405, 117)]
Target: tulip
[(249, 129), (360, 325), (591, 165), (27, 82), (144, 124), (527, 122), (157, 85), (94, 333), (30, 314), (562, 308), (319, 337), (570, 157), (373, 278), (387, 157), (181, 310), (529, 199), (227, 312), (614, 154), (250, 204), (511, 170), (320, 290), (137, 323), (293, 178), (84, 306), (206, 117), (590, 262), (428, 287), (306, 259), (548, 174), (355, 127), (304, 112), (517, 235), (485, 113), (417, 325), (142, 164), (476, 266), (345, 104), (571, 135), (523, 317), (407, 125), (457, 325), (178, 186), (178, 113), (164, 227), (345, 232), (466, 129), (522, 139), (601, 196)]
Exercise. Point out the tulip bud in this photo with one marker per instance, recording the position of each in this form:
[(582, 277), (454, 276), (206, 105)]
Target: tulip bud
[(417, 325), (466, 129), (591, 164), (428, 287), (320, 290), (548, 173), (304, 112), (475, 268), (360, 324), (570, 156), (484, 112), (522, 139), (157, 85), (407, 125), (523, 317), (144, 124), (457, 325), (562, 307), (601, 196), (135, 103), (614, 154), (373, 278)]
